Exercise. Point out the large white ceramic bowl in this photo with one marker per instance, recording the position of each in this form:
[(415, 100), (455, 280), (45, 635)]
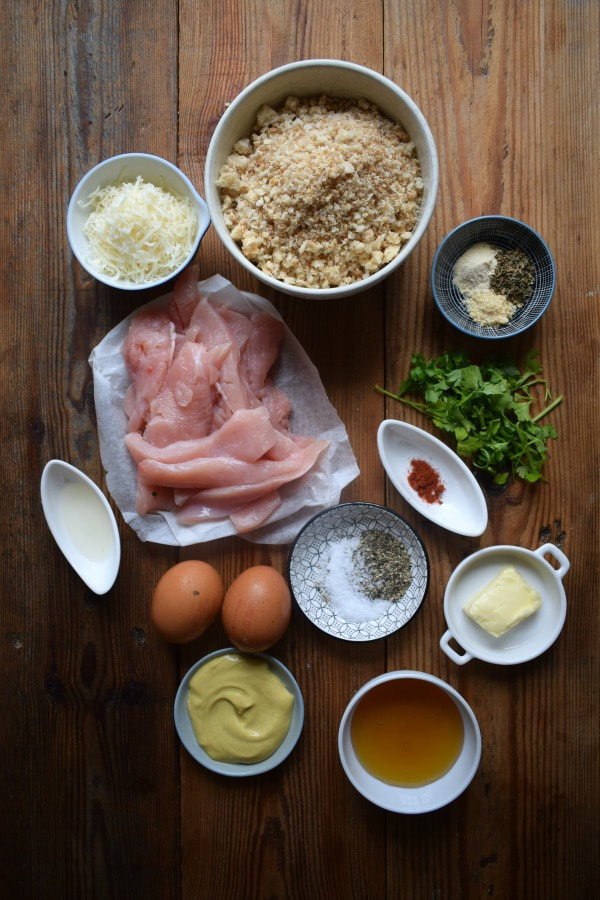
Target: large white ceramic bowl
[(126, 167), (334, 78), (427, 797)]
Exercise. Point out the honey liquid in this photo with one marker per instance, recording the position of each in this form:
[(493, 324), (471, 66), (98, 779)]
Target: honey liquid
[(407, 732)]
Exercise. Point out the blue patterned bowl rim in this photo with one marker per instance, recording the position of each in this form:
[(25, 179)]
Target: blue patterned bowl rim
[(311, 544), (507, 233)]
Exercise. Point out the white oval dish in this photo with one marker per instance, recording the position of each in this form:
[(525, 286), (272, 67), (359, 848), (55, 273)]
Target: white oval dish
[(126, 167), (185, 730), (529, 638), (462, 509), (82, 524), (430, 796)]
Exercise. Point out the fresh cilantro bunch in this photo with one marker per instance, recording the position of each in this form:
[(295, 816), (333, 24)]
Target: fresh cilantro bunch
[(486, 409)]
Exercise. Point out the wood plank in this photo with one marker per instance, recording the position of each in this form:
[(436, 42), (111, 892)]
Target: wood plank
[(504, 150), (81, 816), (292, 814), (98, 797)]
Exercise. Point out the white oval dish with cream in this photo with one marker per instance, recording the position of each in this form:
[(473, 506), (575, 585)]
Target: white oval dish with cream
[(461, 507), (82, 524)]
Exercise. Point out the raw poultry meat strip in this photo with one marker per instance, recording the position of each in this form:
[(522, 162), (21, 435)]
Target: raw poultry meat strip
[(207, 428)]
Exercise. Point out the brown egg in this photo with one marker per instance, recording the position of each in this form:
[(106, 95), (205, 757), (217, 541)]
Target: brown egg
[(256, 609), (186, 600)]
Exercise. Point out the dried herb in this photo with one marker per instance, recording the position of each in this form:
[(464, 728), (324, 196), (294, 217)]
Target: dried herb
[(514, 276), (384, 565)]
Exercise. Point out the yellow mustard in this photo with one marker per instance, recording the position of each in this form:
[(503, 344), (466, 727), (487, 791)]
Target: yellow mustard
[(240, 710)]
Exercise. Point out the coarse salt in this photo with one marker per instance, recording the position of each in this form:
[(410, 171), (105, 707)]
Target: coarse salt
[(338, 579)]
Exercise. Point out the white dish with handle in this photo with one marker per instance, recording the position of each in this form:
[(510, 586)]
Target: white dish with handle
[(525, 641)]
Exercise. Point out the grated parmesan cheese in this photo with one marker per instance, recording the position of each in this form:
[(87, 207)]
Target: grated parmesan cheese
[(138, 232)]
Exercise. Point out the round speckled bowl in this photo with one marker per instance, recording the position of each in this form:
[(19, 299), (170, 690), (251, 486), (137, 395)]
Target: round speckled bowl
[(508, 234), (310, 558), (316, 77)]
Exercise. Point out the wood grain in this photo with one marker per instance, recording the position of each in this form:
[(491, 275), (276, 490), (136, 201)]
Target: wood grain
[(98, 798)]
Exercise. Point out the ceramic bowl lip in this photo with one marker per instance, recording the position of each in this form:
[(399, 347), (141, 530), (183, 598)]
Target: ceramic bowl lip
[(446, 453), (98, 586), (91, 180), (214, 205), (396, 795), (511, 225), (186, 735), (542, 640)]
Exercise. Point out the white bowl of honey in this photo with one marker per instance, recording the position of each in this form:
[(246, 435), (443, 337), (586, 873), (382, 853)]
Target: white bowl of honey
[(409, 742)]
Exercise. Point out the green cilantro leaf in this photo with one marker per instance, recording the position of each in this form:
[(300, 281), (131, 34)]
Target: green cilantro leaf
[(486, 410)]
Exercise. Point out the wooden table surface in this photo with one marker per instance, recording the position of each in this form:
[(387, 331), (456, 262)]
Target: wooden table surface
[(98, 798)]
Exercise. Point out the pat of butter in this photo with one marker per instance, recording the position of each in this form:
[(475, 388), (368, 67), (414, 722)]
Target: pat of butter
[(503, 603)]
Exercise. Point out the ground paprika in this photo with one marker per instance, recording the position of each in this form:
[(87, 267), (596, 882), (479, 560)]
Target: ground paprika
[(426, 481)]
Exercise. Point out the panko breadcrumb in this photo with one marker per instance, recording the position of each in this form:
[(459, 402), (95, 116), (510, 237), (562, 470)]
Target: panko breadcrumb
[(324, 193)]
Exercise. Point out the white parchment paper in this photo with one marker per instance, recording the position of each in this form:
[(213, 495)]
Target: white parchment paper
[(312, 414)]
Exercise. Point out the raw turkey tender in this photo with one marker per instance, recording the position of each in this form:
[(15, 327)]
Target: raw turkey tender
[(194, 367), (213, 421)]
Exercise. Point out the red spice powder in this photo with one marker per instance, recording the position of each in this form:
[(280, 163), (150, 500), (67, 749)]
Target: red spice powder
[(426, 481)]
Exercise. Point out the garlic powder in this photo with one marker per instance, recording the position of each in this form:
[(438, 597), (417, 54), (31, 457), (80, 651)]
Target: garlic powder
[(472, 274), (473, 270)]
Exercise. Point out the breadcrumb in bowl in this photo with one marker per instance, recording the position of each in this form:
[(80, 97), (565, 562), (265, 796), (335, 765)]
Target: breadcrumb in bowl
[(321, 178)]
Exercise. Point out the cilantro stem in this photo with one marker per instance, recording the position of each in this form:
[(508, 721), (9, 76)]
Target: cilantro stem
[(421, 407), (547, 409)]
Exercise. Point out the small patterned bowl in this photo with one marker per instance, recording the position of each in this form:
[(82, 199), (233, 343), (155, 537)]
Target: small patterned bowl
[(310, 570), (508, 234)]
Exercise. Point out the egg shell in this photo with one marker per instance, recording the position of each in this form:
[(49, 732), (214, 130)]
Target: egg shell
[(257, 608), (186, 600)]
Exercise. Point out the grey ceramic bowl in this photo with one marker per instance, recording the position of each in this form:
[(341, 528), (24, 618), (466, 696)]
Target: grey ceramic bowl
[(187, 737), (508, 234)]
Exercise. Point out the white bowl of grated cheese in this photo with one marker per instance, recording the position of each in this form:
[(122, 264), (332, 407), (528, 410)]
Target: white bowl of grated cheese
[(321, 178), (135, 221)]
